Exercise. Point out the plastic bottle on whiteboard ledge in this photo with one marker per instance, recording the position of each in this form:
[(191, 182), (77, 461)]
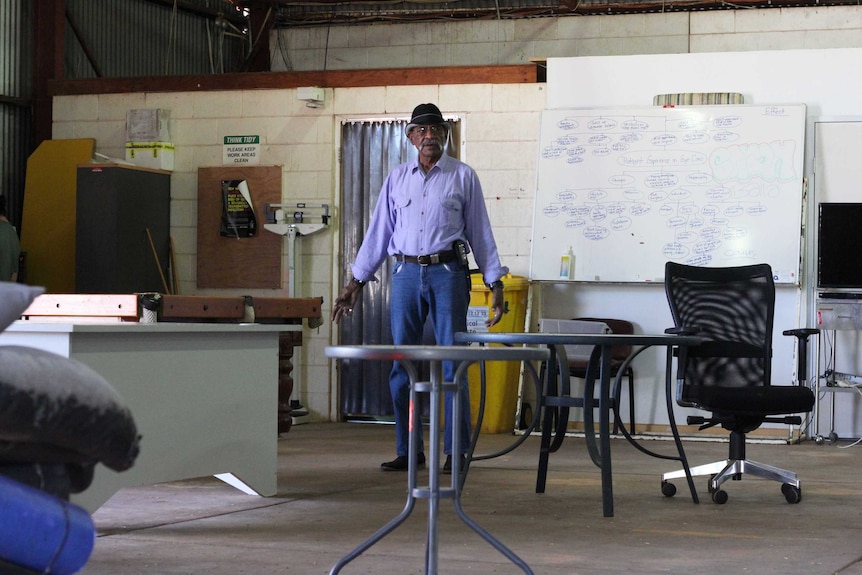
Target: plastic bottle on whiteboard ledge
[(567, 265)]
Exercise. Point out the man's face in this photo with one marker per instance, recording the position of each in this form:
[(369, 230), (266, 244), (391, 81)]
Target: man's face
[(428, 139)]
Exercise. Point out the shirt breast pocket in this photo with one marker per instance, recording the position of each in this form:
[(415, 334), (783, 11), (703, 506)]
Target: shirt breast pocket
[(400, 205), (452, 214)]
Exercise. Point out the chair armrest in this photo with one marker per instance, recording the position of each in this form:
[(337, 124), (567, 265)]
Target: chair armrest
[(683, 330), (802, 332)]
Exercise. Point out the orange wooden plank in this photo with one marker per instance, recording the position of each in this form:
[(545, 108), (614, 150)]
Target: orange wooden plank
[(503, 74), (84, 305)]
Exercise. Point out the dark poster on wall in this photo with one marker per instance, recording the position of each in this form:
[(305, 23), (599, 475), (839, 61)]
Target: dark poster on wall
[(238, 219)]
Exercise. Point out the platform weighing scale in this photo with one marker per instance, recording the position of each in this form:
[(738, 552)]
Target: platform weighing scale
[(293, 221)]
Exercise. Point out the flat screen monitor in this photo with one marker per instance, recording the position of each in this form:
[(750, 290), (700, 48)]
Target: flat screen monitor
[(839, 245)]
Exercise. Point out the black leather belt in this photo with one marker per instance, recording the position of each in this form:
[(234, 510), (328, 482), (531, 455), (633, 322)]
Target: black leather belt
[(430, 259)]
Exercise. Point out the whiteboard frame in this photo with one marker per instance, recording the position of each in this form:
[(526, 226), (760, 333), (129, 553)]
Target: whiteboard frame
[(618, 193)]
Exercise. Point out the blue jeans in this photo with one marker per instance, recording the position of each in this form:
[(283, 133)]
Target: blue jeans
[(440, 292)]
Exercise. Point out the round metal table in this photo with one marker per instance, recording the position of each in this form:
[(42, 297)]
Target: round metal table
[(556, 399), (434, 356)]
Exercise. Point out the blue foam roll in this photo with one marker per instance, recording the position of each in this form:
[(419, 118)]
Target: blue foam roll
[(42, 532)]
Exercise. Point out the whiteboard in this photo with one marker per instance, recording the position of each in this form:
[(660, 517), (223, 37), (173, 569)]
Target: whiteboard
[(632, 188)]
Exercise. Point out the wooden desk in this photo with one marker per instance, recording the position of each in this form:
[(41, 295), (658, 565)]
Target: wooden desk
[(556, 398), (204, 396)]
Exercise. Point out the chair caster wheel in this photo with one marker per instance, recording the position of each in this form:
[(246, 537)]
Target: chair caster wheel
[(818, 440), (668, 489), (719, 496), (833, 437), (791, 493), (709, 487)]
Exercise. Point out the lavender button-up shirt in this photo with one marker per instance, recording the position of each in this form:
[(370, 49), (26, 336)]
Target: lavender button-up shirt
[(418, 214)]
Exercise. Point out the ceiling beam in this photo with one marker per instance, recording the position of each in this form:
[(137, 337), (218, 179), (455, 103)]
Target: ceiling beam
[(230, 15), (308, 13), (262, 16), (511, 74)]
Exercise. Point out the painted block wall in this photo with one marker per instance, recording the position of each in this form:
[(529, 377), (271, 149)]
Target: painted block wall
[(500, 132), (500, 129)]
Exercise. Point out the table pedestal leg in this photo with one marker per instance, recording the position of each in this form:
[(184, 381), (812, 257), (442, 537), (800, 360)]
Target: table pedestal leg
[(604, 432), (433, 493), (456, 474), (415, 423), (550, 411)]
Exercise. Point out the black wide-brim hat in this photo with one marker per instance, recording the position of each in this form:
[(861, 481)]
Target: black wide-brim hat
[(426, 115)]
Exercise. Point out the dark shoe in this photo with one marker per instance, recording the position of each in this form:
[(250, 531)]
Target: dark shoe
[(400, 463), (447, 467)]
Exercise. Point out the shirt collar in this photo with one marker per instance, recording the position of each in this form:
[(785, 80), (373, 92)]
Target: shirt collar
[(442, 163)]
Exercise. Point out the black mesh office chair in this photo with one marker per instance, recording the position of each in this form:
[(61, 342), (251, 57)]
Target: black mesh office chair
[(729, 373)]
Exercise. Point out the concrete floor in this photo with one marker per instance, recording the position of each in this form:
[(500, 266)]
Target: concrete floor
[(332, 496)]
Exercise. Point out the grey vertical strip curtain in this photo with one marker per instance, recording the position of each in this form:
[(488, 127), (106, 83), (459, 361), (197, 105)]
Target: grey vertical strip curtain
[(369, 151)]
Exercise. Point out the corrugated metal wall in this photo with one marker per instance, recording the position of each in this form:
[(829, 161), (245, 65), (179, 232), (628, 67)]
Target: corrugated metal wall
[(129, 38), (16, 22), (124, 38)]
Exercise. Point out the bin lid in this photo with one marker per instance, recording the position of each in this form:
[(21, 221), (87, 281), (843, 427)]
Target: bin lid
[(510, 283)]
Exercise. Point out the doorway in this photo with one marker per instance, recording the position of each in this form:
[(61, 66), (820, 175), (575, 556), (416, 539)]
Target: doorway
[(370, 149)]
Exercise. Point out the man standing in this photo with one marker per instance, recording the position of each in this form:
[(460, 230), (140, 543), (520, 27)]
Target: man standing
[(10, 248), (428, 211)]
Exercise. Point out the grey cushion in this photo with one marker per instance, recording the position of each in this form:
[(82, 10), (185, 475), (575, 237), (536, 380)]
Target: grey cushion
[(47, 399), (14, 299)]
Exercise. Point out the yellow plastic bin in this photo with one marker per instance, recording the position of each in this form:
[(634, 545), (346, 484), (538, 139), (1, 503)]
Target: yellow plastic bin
[(501, 393)]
